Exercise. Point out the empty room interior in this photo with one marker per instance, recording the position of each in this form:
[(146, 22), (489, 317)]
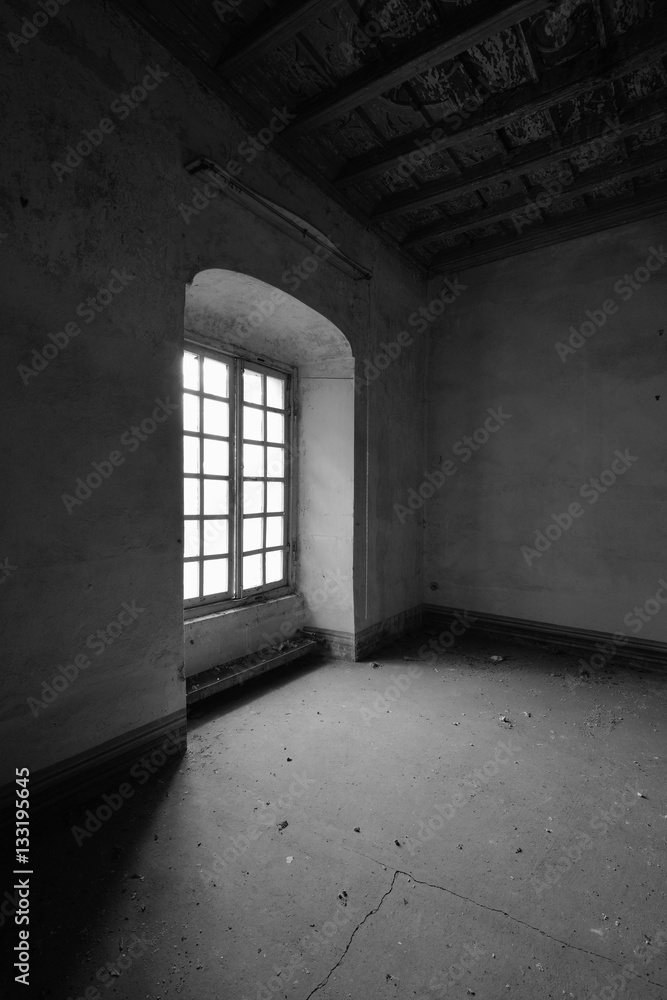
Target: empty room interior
[(334, 550)]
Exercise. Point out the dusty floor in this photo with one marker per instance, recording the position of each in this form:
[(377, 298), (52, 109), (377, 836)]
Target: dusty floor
[(416, 848)]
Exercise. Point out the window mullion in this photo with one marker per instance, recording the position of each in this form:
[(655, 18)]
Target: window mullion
[(238, 479)]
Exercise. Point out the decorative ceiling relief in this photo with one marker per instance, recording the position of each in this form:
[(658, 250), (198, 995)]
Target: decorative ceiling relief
[(498, 63), (351, 135), (644, 81), (394, 116), (433, 119), (560, 35), (593, 107), (629, 13), (292, 72), (529, 129)]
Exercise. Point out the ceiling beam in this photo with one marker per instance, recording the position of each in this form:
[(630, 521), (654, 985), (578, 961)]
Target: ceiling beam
[(270, 30), (575, 225), (629, 52), (637, 165), (544, 153), (429, 49), (537, 156)]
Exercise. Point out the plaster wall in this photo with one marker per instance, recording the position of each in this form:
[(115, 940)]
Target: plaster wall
[(568, 419), (119, 210)]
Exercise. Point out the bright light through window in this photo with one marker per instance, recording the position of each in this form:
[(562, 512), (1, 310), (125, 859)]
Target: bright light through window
[(236, 487)]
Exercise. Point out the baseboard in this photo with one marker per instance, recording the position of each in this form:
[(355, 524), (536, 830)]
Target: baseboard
[(370, 639), (340, 645), (361, 645), (228, 675), (78, 778), (642, 652)]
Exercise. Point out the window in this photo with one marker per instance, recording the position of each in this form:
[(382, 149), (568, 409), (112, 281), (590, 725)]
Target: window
[(236, 464)]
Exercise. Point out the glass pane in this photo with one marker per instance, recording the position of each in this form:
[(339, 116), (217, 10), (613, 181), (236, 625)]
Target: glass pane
[(216, 537), (275, 497), (252, 533), (190, 496), (216, 458), (216, 496), (190, 371), (216, 418), (252, 571), (253, 497), (190, 454), (274, 531), (253, 460), (191, 539), (275, 458), (252, 387), (216, 574), (190, 412), (274, 566), (275, 392), (216, 377), (275, 427), (253, 423), (190, 580)]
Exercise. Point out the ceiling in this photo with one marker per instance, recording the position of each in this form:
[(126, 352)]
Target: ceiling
[(463, 131)]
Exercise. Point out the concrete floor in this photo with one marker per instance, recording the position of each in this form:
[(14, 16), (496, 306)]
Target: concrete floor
[(310, 796)]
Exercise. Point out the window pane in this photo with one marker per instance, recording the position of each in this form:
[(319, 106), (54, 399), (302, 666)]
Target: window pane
[(274, 566), (216, 537), (253, 497), (252, 387), (216, 496), (253, 460), (216, 458), (190, 454), (190, 580), (275, 427), (274, 531), (190, 496), (252, 533), (275, 497), (191, 539), (216, 576), (275, 458), (253, 423), (275, 392), (190, 412), (216, 417), (190, 371), (216, 377), (252, 571)]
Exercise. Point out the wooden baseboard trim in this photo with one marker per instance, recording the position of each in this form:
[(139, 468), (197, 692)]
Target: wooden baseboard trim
[(363, 644), (340, 645), (370, 639), (81, 777), (643, 652)]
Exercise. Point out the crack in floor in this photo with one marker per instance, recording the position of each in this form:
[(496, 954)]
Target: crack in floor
[(347, 947), (492, 909)]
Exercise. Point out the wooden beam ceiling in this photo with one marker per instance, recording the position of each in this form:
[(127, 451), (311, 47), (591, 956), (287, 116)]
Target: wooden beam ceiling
[(640, 163), (630, 52), (542, 154), (271, 30), (415, 58), (568, 227)]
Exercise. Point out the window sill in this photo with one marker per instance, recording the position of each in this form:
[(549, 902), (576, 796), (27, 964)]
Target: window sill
[(192, 615)]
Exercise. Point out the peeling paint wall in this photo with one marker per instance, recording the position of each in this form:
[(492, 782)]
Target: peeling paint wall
[(571, 410), (119, 210)]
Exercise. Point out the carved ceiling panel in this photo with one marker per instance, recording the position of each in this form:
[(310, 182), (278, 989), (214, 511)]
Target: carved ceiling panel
[(421, 115)]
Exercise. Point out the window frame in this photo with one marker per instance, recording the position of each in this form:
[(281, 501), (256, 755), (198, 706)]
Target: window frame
[(237, 360)]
